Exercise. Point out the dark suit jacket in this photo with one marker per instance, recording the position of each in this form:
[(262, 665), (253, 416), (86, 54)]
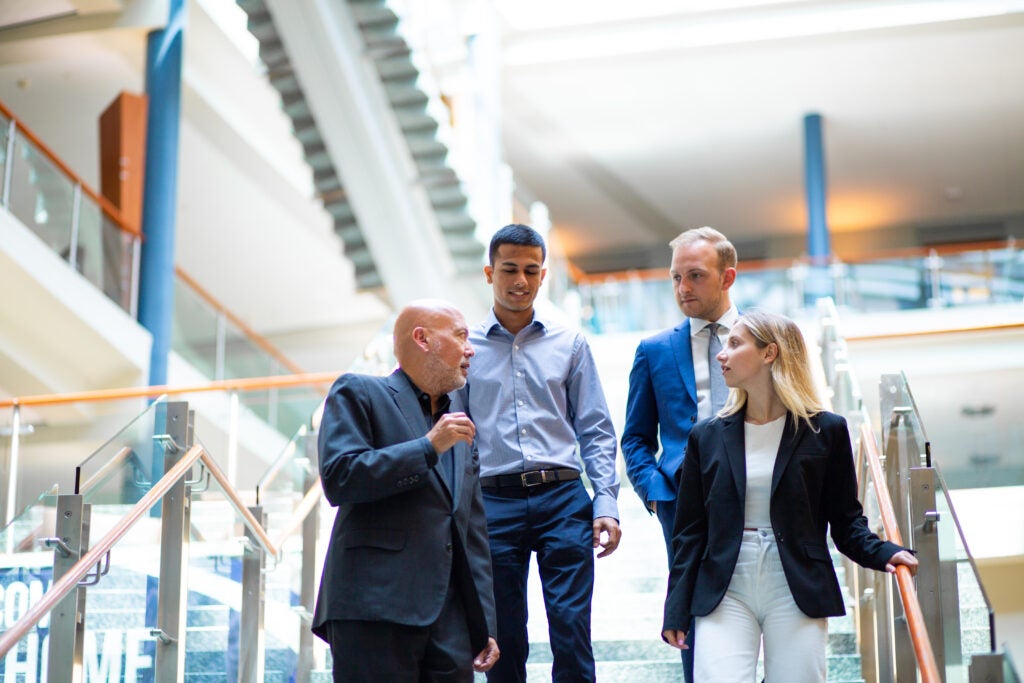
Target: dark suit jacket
[(814, 489), (403, 529), (662, 391)]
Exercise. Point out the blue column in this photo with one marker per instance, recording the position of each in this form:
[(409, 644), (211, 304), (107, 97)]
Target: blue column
[(818, 247), (156, 281)]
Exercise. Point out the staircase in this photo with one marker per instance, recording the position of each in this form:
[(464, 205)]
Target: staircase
[(629, 595), (420, 116)]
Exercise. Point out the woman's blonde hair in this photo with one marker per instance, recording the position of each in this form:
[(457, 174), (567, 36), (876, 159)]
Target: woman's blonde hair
[(790, 371)]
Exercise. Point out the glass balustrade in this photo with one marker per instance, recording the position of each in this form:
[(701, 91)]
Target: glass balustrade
[(56, 435), (121, 608), (218, 557), (125, 467), (964, 619), (42, 196), (957, 611), (54, 207), (26, 572), (5, 138), (644, 300)]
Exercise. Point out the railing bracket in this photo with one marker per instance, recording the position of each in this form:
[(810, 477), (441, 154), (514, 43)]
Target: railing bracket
[(102, 569), (160, 635), (931, 519), (194, 483), (168, 442), (58, 545)]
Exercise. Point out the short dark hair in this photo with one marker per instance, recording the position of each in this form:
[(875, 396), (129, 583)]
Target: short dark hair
[(520, 235)]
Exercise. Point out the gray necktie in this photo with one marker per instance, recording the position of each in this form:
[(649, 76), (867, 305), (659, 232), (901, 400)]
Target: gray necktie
[(719, 391)]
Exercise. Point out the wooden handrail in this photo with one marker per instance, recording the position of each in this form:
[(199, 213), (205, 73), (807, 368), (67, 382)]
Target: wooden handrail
[(105, 204), (83, 566), (66, 583), (236, 501), (247, 384), (757, 265), (908, 594)]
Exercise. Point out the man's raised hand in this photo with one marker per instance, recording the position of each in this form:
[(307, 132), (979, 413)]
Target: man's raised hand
[(451, 429)]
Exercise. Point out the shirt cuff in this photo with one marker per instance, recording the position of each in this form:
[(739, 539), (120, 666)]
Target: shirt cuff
[(605, 506)]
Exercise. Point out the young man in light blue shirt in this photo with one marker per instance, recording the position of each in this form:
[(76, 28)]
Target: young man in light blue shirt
[(534, 395)]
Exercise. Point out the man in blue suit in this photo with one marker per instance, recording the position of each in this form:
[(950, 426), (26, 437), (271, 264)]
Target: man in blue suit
[(670, 385)]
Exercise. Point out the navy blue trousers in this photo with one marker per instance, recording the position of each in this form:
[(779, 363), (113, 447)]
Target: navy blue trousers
[(667, 517), (555, 521)]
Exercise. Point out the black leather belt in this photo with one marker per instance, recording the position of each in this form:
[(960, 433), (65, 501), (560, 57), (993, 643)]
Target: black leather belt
[(529, 479)]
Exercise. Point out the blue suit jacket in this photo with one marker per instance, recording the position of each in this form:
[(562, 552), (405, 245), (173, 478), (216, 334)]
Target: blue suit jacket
[(404, 526), (662, 396)]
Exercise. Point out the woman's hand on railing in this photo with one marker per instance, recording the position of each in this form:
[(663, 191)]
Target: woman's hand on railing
[(905, 558)]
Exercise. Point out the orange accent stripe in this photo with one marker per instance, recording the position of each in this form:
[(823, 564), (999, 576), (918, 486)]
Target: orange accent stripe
[(105, 204), (911, 607), (247, 384)]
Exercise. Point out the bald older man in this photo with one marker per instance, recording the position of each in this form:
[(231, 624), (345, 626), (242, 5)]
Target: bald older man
[(406, 591)]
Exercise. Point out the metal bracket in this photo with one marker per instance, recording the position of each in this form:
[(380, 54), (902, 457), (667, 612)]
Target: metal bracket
[(931, 519), (248, 546), (138, 477), (102, 569), (168, 442), (57, 545), (194, 483), (161, 636)]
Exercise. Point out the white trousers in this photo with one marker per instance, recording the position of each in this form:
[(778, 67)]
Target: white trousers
[(758, 602)]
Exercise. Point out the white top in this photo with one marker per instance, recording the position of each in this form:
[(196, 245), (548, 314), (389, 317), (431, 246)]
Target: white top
[(762, 442), (700, 337)]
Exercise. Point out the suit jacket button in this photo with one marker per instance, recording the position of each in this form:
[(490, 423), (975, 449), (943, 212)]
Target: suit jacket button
[(448, 547)]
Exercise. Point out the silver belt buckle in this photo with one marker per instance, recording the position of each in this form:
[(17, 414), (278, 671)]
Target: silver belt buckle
[(533, 478)]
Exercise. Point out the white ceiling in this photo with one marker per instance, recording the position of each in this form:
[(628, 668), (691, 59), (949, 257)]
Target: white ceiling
[(633, 128)]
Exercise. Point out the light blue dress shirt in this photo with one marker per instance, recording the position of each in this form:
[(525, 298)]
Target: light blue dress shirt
[(533, 396)]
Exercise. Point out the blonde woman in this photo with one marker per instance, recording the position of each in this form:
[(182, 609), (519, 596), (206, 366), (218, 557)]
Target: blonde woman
[(761, 484)]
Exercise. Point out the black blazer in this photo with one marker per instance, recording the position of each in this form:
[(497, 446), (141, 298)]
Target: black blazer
[(814, 489), (403, 526)]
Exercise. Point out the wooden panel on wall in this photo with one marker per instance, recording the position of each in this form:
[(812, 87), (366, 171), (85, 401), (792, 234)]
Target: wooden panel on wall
[(123, 154)]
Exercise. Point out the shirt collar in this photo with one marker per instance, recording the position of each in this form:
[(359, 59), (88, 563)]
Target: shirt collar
[(443, 403), (491, 322), (727, 320)]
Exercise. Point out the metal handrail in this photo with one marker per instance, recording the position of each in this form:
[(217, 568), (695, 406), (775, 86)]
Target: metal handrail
[(245, 384), (69, 581), (923, 652)]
